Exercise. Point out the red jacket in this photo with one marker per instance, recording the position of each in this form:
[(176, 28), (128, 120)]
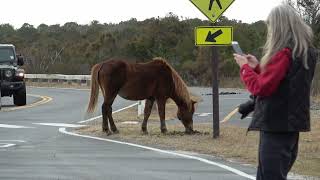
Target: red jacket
[(265, 82)]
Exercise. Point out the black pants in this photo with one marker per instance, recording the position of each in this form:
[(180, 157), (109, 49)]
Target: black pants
[(277, 153)]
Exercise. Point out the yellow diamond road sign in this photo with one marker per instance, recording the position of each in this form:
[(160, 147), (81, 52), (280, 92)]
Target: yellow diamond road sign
[(213, 35), (212, 8)]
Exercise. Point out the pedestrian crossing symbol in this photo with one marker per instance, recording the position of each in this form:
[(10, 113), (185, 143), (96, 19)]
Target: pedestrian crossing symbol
[(213, 9)]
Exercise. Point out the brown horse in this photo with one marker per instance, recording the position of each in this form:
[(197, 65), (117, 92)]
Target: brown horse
[(153, 81)]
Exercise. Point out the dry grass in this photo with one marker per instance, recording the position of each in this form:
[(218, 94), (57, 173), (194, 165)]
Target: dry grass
[(175, 139), (308, 161), (233, 142), (131, 114), (315, 89), (316, 98)]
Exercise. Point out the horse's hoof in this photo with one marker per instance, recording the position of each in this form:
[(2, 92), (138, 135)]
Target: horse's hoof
[(108, 133), (190, 132), (144, 132), (164, 131), (115, 131)]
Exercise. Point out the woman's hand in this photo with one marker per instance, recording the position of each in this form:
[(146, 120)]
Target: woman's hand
[(252, 61), (241, 60)]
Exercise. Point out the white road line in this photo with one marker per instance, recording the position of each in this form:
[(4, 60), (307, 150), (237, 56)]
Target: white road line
[(60, 125), (204, 114), (97, 117), (6, 145), (22, 141), (91, 119), (130, 122), (228, 168), (13, 126)]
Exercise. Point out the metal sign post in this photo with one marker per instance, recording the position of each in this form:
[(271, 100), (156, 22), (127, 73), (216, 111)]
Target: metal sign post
[(215, 93), (213, 36), (0, 97)]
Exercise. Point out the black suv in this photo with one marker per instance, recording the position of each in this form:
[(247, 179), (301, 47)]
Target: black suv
[(11, 76)]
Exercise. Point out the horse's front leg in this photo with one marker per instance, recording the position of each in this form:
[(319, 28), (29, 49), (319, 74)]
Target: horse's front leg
[(147, 112), (161, 108)]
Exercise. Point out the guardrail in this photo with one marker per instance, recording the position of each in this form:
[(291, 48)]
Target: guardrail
[(69, 79), (59, 78)]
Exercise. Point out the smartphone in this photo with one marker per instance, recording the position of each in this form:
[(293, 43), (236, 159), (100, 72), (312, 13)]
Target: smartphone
[(236, 47)]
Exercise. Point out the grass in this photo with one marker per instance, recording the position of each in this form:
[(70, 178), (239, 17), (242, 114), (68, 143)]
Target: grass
[(315, 89), (233, 142), (175, 139), (316, 99)]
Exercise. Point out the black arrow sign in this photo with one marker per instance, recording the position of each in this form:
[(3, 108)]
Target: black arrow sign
[(211, 37)]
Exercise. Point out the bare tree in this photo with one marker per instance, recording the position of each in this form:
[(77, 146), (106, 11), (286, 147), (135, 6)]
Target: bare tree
[(309, 10), (41, 60)]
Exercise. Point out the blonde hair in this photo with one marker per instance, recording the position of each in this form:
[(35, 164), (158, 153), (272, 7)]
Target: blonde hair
[(287, 29)]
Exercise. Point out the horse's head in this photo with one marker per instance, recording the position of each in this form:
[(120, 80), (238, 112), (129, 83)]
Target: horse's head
[(185, 115)]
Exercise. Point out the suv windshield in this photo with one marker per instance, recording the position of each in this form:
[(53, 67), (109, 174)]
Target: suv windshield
[(6, 54)]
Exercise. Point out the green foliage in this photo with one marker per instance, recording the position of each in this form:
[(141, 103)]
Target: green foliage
[(72, 48)]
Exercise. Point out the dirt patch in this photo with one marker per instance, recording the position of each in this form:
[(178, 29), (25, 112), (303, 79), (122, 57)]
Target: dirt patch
[(233, 142)]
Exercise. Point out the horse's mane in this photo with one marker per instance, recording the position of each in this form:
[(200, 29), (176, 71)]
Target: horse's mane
[(180, 86)]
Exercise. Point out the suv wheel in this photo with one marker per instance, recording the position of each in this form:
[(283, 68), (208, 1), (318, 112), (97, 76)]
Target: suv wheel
[(19, 98)]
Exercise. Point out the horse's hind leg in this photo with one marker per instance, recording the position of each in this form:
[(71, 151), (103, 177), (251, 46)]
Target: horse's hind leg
[(111, 79), (147, 112), (105, 125), (161, 108), (112, 125), (109, 113)]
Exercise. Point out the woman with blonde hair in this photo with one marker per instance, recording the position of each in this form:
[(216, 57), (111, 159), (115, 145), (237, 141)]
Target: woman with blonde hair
[(281, 83)]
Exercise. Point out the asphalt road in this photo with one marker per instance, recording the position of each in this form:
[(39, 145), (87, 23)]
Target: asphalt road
[(31, 150), (229, 99)]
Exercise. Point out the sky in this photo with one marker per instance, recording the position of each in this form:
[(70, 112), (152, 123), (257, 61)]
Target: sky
[(35, 12)]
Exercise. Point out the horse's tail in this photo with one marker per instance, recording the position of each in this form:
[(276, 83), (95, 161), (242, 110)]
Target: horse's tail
[(94, 88)]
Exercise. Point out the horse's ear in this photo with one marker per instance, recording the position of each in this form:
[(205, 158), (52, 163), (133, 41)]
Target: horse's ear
[(193, 101)]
